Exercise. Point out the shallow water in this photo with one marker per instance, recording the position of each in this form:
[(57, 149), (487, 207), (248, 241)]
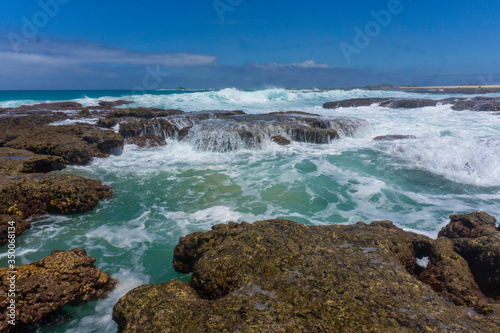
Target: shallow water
[(164, 193)]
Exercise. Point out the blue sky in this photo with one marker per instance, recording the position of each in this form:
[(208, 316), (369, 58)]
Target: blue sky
[(75, 44)]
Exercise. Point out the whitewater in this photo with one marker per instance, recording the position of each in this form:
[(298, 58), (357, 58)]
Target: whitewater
[(164, 193)]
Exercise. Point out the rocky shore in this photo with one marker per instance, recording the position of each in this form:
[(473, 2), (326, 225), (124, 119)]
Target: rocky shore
[(43, 287), (281, 276)]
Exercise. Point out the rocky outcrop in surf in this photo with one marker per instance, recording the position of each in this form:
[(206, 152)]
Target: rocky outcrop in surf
[(279, 276), (233, 130), (27, 195), (43, 287), (458, 104)]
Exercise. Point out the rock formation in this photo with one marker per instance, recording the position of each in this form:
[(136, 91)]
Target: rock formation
[(42, 287), (281, 276)]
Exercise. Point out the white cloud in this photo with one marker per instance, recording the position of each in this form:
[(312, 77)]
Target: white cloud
[(62, 54), (308, 64)]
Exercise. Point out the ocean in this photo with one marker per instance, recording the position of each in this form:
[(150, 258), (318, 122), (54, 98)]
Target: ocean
[(164, 193)]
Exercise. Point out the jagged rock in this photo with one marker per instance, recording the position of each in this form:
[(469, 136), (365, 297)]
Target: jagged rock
[(477, 239), (393, 137), (282, 141), (108, 122), (64, 277), (471, 225), (112, 104), (15, 161), (147, 141), (139, 127), (32, 195), (76, 144), (84, 113), (281, 276)]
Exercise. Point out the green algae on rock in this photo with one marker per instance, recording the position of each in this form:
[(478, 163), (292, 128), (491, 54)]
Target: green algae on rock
[(42, 287), (281, 276)]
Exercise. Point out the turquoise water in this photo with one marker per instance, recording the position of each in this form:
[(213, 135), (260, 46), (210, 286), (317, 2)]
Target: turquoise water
[(164, 193)]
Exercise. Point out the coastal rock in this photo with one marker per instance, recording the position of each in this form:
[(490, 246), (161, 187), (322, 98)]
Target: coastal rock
[(76, 144), (471, 225), (281, 276), (354, 102), (477, 239), (112, 104), (393, 137), (14, 126), (24, 196), (146, 113), (282, 141), (54, 106), (16, 161), (147, 141), (458, 104), (64, 277), (478, 104)]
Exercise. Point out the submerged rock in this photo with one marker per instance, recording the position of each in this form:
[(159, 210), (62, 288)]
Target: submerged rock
[(147, 141), (64, 277), (393, 137), (282, 141), (112, 104), (281, 276)]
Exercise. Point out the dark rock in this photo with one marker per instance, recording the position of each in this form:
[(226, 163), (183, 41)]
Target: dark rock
[(184, 132), (138, 127), (15, 161), (108, 122), (478, 104), (477, 239), (146, 113), (471, 225), (393, 137), (355, 102), (76, 144), (63, 278), (408, 103), (54, 106), (281, 276), (147, 141), (114, 103), (281, 140), (458, 104)]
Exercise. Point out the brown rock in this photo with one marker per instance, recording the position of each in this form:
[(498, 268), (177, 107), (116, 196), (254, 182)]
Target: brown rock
[(112, 104), (281, 276), (64, 277), (281, 140), (471, 225)]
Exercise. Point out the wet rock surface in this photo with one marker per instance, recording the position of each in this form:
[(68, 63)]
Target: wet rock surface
[(63, 278), (281, 276), (76, 144), (27, 195), (16, 161), (393, 137), (458, 104)]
